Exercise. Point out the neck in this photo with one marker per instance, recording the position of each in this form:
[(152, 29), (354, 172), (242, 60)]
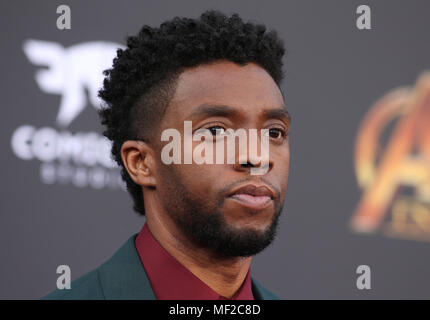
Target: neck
[(223, 275)]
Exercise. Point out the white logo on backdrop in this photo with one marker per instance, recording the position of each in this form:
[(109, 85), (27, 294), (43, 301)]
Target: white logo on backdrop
[(71, 71), (81, 158)]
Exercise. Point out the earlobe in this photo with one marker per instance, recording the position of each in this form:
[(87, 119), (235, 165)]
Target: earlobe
[(136, 156)]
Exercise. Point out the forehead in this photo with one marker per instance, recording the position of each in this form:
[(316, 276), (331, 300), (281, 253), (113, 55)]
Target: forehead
[(247, 88)]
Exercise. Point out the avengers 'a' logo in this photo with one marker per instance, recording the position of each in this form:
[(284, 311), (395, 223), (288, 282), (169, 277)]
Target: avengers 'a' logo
[(403, 163)]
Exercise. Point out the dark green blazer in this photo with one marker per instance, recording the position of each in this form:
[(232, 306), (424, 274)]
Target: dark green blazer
[(123, 277)]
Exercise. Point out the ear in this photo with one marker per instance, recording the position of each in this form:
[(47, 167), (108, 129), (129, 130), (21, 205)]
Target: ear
[(138, 159)]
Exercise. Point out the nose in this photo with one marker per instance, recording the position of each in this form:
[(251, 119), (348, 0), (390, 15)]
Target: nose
[(247, 160), (246, 166)]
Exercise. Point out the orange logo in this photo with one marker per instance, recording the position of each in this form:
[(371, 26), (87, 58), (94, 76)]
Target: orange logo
[(395, 177)]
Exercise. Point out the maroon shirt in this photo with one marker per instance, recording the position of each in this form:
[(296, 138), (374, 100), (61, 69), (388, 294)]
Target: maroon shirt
[(170, 280)]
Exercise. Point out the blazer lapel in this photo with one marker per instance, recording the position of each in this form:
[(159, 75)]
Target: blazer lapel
[(123, 276)]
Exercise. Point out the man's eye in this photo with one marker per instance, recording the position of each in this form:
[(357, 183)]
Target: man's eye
[(276, 133), (216, 130)]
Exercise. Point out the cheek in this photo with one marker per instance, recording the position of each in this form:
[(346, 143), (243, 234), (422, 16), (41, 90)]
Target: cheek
[(205, 177), (281, 169), (200, 181)]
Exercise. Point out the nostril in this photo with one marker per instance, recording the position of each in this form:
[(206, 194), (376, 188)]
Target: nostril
[(247, 164)]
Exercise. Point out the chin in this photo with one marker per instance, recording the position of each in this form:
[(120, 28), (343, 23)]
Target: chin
[(249, 225)]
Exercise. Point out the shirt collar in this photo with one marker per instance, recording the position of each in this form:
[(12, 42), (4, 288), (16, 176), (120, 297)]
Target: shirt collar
[(170, 280)]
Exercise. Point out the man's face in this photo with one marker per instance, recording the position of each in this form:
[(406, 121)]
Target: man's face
[(207, 201)]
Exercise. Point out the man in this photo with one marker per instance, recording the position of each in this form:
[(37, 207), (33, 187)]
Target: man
[(204, 222)]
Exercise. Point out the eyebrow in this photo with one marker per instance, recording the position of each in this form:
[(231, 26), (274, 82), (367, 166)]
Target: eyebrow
[(209, 110), (280, 113)]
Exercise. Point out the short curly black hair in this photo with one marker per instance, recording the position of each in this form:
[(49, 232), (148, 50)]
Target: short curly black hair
[(143, 77)]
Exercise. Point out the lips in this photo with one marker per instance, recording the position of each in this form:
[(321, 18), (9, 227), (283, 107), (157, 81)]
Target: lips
[(252, 196)]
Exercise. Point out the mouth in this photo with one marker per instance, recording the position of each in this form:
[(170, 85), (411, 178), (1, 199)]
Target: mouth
[(253, 197)]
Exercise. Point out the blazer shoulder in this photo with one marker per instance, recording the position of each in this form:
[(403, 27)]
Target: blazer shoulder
[(120, 277), (261, 293), (86, 287)]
